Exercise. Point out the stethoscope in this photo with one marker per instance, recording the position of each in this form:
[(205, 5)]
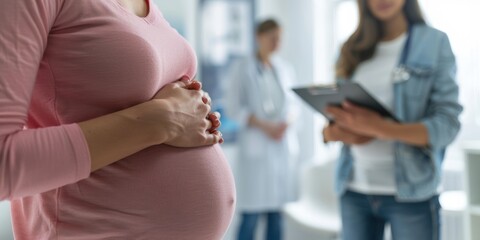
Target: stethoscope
[(401, 73), (267, 104)]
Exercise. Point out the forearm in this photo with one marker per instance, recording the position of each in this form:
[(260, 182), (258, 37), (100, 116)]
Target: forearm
[(413, 134), (116, 136), (261, 124), (334, 133)]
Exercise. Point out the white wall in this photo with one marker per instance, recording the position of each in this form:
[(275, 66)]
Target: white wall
[(183, 12)]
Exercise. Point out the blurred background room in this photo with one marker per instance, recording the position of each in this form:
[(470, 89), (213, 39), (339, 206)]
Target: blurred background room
[(223, 31)]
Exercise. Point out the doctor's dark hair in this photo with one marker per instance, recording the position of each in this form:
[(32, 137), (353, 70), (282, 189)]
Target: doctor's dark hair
[(267, 26), (362, 43)]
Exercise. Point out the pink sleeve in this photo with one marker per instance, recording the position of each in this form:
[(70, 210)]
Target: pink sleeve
[(37, 160)]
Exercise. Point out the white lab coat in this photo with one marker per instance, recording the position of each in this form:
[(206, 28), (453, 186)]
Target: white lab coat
[(264, 167)]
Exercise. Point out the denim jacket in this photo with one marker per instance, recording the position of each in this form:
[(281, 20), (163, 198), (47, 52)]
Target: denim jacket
[(429, 96)]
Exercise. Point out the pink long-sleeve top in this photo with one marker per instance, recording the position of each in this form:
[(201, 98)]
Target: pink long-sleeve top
[(66, 61)]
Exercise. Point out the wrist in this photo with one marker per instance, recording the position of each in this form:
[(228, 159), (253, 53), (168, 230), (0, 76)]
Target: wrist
[(257, 123), (137, 119), (385, 129)]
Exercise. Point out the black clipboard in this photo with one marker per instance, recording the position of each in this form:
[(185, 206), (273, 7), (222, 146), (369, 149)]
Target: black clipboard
[(319, 97)]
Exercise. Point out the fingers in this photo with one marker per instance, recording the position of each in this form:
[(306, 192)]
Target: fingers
[(338, 114), (335, 132), (202, 95), (341, 124), (190, 84), (206, 98), (218, 115), (348, 139), (214, 118), (209, 126), (346, 135), (350, 107), (214, 138), (194, 85), (197, 98), (204, 110), (186, 83)]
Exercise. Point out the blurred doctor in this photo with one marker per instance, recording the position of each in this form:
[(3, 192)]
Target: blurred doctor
[(258, 99)]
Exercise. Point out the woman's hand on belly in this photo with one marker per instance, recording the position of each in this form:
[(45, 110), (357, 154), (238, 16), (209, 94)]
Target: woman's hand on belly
[(187, 116), (179, 115)]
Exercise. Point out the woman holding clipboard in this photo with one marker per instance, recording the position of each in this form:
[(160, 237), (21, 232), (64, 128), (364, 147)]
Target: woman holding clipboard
[(389, 172)]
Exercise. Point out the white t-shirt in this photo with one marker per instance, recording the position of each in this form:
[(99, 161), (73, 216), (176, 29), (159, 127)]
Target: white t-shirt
[(374, 168)]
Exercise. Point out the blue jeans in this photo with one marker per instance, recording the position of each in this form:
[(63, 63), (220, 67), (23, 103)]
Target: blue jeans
[(364, 218), (249, 225)]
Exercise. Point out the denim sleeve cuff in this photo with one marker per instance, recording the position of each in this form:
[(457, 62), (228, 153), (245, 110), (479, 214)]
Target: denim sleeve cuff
[(433, 134)]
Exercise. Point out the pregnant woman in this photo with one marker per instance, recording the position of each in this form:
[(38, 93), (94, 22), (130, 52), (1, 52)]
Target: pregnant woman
[(98, 139)]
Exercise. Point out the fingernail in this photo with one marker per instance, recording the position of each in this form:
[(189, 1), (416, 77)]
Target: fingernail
[(185, 78)]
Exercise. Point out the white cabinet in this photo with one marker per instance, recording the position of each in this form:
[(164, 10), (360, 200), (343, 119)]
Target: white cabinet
[(472, 167), (5, 222)]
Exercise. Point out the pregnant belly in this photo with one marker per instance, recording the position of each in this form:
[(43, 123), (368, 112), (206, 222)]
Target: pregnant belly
[(159, 193)]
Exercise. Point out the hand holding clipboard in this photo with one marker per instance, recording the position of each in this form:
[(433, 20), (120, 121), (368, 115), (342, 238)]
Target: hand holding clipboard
[(319, 97)]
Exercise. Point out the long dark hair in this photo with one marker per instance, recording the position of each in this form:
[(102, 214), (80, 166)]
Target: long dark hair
[(362, 43)]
